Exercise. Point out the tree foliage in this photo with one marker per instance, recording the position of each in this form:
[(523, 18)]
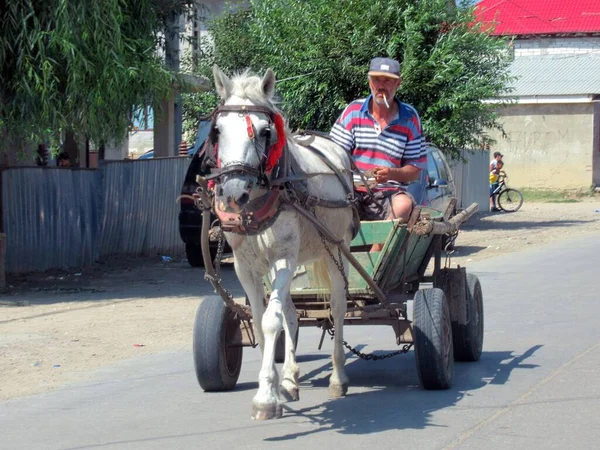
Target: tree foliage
[(79, 65), (320, 51)]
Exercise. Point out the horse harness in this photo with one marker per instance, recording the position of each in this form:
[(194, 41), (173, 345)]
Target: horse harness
[(277, 173)]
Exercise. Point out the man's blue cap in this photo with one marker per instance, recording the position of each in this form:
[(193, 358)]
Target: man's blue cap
[(386, 67)]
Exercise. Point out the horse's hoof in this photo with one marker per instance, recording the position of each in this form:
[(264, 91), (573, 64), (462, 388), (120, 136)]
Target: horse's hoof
[(266, 412), (337, 390), (290, 394)]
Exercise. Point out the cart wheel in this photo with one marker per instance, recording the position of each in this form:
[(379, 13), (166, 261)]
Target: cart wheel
[(468, 339), (433, 339), (217, 346), (280, 346)]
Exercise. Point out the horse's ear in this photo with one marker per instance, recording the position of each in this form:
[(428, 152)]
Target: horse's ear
[(222, 83), (268, 83)]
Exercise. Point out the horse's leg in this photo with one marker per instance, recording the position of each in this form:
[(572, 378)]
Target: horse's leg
[(338, 382), (266, 401), (254, 289), (290, 371)]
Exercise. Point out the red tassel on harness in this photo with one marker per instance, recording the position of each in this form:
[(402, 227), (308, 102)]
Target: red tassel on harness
[(249, 127), (276, 149)]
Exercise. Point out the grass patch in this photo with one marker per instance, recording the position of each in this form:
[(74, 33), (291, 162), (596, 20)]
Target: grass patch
[(553, 196)]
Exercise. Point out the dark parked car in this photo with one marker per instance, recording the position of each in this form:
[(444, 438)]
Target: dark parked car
[(190, 217), (434, 188)]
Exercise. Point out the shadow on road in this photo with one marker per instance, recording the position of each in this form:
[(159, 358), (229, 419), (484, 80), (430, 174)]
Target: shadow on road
[(394, 400)]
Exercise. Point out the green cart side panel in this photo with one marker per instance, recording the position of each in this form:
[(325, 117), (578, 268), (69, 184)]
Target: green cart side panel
[(391, 233), (407, 263), (304, 283), (385, 268), (375, 232)]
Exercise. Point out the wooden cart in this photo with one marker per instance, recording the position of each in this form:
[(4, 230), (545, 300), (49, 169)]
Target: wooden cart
[(447, 320)]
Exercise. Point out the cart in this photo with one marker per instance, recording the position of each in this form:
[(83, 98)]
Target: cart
[(447, 321)]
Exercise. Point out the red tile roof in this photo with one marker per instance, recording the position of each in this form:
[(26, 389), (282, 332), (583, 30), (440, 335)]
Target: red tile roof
[(527, 17)]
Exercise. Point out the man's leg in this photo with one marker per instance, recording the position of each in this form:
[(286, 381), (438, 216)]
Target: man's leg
[(401, 206)]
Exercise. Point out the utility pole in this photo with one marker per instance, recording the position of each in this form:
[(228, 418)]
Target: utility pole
[(172, 56)]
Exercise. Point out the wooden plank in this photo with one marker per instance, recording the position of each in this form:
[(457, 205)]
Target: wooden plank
[(392, 252), (374, 232), (368, 261)]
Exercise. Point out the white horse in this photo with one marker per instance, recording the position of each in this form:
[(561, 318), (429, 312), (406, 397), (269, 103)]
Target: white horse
[(251, 147)]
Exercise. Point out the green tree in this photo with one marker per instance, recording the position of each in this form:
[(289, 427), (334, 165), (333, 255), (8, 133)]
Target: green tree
[(320, 50), (79, 65)]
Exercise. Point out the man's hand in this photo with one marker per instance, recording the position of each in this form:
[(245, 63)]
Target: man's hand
[(382, 174)]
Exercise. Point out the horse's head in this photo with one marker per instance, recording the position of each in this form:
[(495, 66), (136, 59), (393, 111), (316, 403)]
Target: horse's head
[(248, 135)]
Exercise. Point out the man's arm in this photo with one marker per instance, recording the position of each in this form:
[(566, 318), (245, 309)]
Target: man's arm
[(404, 174)]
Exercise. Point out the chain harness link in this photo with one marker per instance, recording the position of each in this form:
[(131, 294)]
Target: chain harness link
[(370, 356), (329, 327), (451, 238), (338, 262)]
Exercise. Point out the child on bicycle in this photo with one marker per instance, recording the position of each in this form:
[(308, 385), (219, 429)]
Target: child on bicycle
[(494, 175)]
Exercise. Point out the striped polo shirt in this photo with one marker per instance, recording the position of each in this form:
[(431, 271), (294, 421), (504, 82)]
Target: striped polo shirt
[(401, 143)]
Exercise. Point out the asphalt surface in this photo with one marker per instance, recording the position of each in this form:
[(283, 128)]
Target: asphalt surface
[(536, 385)]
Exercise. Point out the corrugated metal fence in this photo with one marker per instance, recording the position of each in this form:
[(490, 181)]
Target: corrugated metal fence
[(141, 208), (56, 218), (472, 179), (51, 217)]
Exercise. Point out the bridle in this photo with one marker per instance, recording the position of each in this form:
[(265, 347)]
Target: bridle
[(262, 211), (272, 151)]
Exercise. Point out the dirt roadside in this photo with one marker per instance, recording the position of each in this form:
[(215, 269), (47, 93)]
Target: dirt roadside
[(56, 327)]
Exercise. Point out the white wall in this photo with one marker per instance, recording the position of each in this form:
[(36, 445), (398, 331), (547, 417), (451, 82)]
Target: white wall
[(556, 46)]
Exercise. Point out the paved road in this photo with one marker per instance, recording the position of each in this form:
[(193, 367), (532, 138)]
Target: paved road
[(536, 385)]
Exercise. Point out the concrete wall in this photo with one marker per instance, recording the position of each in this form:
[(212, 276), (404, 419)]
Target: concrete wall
[(549, 146)]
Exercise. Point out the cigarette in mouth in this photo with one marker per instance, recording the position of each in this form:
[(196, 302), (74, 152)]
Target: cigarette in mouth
[(387, 105)]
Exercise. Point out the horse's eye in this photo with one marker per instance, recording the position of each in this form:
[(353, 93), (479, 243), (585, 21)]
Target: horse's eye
[(214, 134)]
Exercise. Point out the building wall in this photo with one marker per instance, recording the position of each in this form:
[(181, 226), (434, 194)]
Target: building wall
[(596, 147), (556, 46), (549, 146)]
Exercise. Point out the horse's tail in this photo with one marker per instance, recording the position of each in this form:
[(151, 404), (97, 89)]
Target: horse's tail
[(321, 277)]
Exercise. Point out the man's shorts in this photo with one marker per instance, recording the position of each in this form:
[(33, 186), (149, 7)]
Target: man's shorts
[(379, 206)]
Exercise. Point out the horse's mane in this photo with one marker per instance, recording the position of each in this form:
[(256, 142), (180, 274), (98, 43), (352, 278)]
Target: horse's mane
[(249, 86)]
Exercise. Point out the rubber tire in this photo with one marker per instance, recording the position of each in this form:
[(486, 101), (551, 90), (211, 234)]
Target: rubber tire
[(217, 364), (468, 339), (280, 346), (516, 200), (432, 330), (193, 252)]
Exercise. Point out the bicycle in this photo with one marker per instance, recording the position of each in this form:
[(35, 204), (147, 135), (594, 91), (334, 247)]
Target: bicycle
[(508, 199)]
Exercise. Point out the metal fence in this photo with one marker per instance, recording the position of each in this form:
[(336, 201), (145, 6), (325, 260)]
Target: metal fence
[(51, 217), (140, 200), (472, 179), (58, 218)]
